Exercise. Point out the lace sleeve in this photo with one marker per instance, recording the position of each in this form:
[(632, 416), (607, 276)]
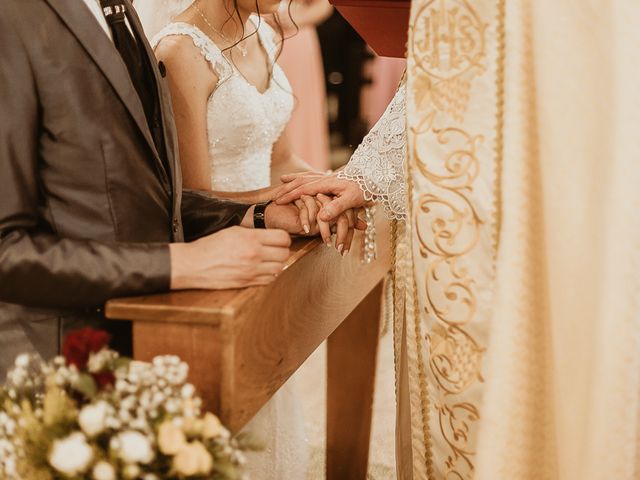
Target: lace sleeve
[(378, 163)]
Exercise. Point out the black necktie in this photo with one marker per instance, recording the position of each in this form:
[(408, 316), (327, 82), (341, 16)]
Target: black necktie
[(115, 13)]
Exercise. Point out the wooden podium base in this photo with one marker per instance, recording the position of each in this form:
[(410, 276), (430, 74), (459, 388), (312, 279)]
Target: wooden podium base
[(243, 345)]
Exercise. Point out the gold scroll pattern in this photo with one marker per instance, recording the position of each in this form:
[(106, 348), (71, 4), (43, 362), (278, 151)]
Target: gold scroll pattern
[(448, 52)]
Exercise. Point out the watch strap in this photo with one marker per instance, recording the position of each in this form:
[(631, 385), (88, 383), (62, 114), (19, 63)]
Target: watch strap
[(259, 215)]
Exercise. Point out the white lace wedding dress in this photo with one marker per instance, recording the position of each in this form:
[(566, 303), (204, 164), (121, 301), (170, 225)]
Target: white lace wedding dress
[(243, 125)]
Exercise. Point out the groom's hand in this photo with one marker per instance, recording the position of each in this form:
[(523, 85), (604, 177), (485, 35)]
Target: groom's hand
[(294, 219), (236, 257), (288, 218)]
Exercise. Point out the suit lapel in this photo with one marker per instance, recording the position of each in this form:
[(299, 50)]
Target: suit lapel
[(86, 29)]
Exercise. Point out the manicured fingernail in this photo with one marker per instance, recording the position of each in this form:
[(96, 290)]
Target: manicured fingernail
[(306, 229), (344, 254), (329, 244), (340, 247)]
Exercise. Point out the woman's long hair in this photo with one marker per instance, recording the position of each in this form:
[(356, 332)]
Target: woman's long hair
[(276, 23)]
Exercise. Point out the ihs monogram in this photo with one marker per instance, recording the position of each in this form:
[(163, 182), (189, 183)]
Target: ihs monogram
[(449, 42)]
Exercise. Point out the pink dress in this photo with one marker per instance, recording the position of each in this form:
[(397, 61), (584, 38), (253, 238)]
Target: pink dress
[(308, 130), (385, 73)]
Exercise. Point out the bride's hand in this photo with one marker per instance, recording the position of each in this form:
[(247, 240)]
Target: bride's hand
[(302, 178), (344, 227), (307, 219), (308, 212), (347, 194)]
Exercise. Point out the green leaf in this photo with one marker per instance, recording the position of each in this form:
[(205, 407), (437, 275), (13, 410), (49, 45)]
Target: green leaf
[(86, 385), (58, 408), (121, 362), (227, 470)]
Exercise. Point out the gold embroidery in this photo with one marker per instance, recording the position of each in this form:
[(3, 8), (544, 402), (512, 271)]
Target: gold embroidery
[(456, 421), (447, 228), (423, 390), (499, 144), (448, 52), (422, 371), (454, 359)]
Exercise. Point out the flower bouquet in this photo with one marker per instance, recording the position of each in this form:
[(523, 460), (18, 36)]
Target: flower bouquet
[(93, 415)]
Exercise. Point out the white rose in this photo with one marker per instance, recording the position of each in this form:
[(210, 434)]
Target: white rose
[(71, 455), (93, 418), (213, 428), (131, 471), (171, 438), (104, 471), (96, 362), (134, 447), (193, 459), (101, 360)]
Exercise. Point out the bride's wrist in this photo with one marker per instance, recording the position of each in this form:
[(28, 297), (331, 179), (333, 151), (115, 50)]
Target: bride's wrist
[(359, 193)]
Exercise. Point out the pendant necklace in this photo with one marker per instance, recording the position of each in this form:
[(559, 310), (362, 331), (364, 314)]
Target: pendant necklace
[(243, 49)]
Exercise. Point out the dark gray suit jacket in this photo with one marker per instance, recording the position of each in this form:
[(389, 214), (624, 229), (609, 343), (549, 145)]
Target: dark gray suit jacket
[(87, 208)]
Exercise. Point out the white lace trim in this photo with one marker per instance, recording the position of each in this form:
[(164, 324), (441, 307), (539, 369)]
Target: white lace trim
[(220, 64), (377, 165)]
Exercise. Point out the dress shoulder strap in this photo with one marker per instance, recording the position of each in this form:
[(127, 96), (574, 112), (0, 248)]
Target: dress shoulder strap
[(210, 51)]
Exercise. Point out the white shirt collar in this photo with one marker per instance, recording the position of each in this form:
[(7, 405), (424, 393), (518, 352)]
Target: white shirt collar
[(96, 9)]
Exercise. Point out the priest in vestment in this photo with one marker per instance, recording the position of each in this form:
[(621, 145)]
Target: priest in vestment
[(509, 164), (520, 351)]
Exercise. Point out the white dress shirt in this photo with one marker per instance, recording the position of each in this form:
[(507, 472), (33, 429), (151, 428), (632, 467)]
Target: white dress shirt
[(96, 9)]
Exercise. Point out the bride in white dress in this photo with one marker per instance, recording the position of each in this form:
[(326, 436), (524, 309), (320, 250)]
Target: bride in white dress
[(232, 102)]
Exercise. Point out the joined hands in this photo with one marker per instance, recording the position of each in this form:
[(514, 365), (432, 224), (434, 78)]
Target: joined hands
[(326, 202), (307, 204)]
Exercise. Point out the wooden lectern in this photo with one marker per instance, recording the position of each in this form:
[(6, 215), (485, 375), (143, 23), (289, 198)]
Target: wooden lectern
[(242, 345)]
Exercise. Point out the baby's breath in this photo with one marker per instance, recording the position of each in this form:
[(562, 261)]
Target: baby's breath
[(45, 398)]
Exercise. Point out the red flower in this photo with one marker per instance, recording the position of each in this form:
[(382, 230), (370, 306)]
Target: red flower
[(104, 379), (79, 344)]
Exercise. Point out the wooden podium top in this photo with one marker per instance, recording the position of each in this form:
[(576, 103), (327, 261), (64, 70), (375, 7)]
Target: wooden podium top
[(198, 306), (242, 345), (383, 24)]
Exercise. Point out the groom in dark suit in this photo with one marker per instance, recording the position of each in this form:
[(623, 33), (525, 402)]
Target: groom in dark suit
[(91, 203)]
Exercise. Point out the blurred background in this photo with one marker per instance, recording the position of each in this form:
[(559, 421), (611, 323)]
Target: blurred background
[(341, 86), (341, 89)]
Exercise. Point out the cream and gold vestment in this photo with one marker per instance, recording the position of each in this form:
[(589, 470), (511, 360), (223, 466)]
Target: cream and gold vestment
[(517, 270)]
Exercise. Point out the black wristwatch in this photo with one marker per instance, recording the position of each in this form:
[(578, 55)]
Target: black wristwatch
[(258, 215)]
